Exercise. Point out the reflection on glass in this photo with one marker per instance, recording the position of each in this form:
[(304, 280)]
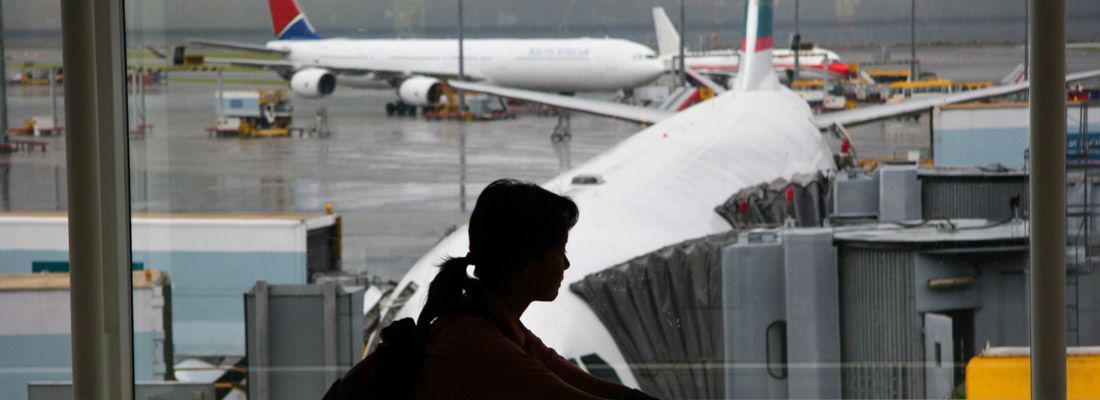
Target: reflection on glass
[(922, 274)]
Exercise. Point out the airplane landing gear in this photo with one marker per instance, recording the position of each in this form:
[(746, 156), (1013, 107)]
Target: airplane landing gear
[(400, 109), (562, 131)]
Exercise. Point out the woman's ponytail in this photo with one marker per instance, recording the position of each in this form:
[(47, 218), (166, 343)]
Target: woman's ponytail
[(446, 290)]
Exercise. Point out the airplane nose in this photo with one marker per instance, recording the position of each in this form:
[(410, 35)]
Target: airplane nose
[(655, 68)]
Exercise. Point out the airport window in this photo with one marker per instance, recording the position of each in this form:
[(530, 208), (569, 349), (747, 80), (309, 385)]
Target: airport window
[(291, 197)]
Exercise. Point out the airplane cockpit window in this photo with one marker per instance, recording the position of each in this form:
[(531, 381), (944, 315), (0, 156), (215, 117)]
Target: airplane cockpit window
[(596, 365)]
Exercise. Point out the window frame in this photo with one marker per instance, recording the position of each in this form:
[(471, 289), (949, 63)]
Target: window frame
[(99, 209)]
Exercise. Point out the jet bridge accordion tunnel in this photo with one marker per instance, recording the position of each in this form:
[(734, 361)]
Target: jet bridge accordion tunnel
[(869, 311)]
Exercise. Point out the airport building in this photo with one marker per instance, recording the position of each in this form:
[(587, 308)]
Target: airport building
[(212, 259)]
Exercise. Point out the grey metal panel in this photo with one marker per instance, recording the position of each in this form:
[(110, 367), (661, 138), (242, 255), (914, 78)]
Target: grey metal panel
[(974, 195), (812, 313), (939, 371), (303, 354), (1081, 201), (753, 295), (142, 391), (855, 194), (1003, 318), (931, 267), (880, 332), (899, 193), (1088, 308)]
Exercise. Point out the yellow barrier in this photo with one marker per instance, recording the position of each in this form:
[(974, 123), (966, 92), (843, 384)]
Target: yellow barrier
[(1004, 373)]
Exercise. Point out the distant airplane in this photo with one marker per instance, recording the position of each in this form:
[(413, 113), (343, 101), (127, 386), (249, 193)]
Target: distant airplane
[(417, 68), (725, 62), (660, 186)]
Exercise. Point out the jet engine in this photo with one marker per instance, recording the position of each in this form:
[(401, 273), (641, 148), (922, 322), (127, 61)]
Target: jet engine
[(419, 91), (313, 82)]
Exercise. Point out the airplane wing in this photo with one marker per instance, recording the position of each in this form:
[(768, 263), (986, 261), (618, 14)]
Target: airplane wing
[(247, 62), (441, 72), (237, 46), (285, 66), (824, 121), (597, 107), (874, 113)]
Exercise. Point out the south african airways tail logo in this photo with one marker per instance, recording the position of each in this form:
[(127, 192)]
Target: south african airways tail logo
[(289, 22)]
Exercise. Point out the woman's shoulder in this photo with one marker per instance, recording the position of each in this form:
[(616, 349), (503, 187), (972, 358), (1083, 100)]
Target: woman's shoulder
[(464, 327)]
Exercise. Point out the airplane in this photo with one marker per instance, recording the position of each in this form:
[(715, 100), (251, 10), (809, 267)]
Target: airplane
[(418, 68), (660, 186), (725, 61)]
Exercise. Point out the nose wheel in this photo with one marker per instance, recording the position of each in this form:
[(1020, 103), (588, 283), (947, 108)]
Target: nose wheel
[(562, 131)]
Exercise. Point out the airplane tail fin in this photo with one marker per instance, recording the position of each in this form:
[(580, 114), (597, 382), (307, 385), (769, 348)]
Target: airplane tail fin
[(1016, 76), (668, 40), (289, 22), (756, 70)]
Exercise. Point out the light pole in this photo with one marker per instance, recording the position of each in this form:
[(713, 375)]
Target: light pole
[(461, 58), (1027, 40), (3, 83), (683, 34), (797, 45), (913, 41)]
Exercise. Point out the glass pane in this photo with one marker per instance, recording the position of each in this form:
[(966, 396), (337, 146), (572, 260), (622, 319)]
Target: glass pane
[(34, 257), (295, 190)]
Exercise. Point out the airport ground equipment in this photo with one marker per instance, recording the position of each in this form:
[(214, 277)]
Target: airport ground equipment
[(301, 338), (22, 145), (47, 125), (213, 259), (478, 108), (252, 113), (142, 390), (32, 74), (38, 348), (1003, 373), (40, 125), (821, 95)]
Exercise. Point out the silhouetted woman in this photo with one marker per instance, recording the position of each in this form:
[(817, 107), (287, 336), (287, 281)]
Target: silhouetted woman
[(477, 347)]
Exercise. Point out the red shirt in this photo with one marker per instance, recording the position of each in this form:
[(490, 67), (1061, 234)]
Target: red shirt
[(471, 358)]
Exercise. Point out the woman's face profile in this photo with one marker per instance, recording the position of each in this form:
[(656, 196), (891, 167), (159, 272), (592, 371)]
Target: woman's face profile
[(543, 275)]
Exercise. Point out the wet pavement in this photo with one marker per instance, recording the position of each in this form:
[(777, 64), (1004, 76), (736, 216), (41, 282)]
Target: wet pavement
[(400, 183)]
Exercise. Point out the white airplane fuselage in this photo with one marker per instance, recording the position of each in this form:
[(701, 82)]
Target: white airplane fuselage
[(728, 60), (659, 187), (554, 65)]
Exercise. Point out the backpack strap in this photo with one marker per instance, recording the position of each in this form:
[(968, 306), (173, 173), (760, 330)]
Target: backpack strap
[(443, 321)]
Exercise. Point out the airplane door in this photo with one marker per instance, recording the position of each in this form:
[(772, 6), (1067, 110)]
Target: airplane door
[(939, 373), (610, 66)]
